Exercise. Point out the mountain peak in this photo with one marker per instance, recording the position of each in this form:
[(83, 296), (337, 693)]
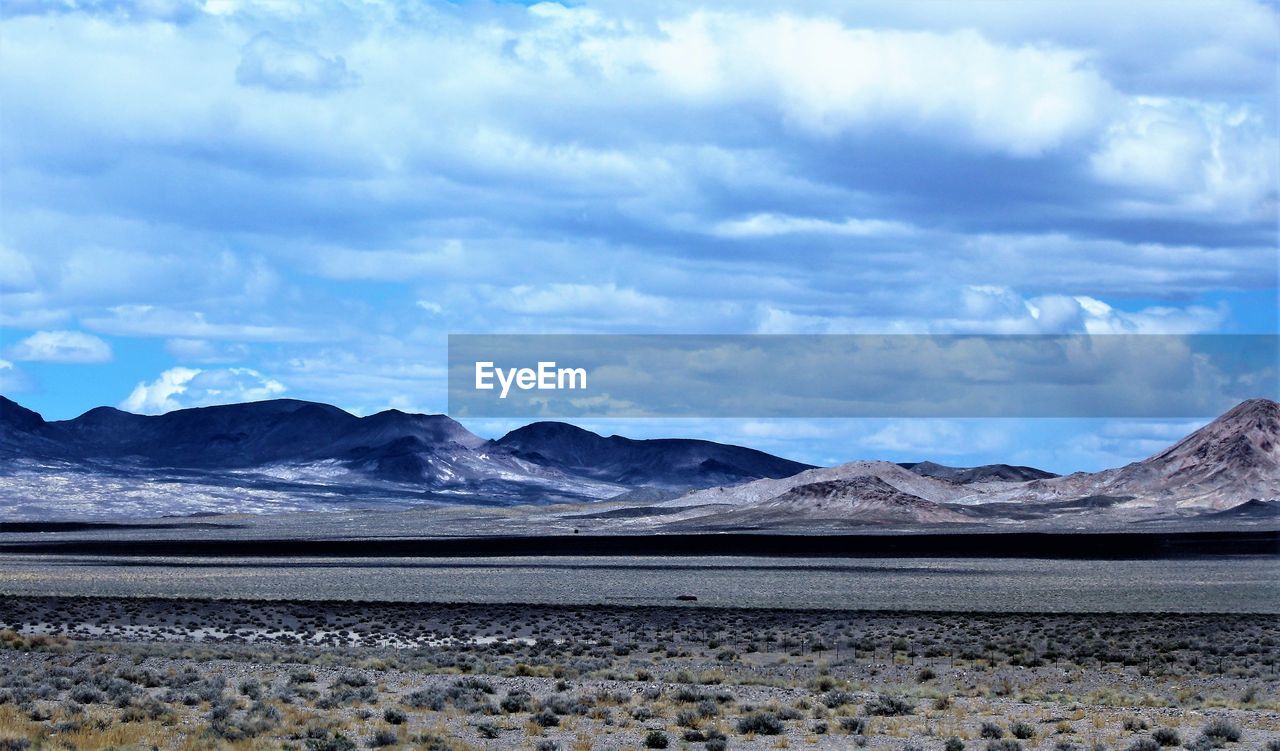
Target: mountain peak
[(1247, 436), (18, 417)]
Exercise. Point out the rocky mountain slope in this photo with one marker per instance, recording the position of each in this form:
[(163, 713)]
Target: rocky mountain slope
[(657, 463), (286, 454), (1223, 465)]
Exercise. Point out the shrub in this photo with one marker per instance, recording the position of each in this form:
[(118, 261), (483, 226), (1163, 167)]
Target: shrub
[(1008, 744), (1144, 744), (14, 744), (394, 716), (953, 744), (656, 739), (853, 725), (546, 718), (888, 706), (547, 745), (516, 701), (717, 744), (835, 699), (488, 730), (760, 723), (384, 737), (991, 730), (1221, 730), (324, 742), (1167, 737), (1022, 730)]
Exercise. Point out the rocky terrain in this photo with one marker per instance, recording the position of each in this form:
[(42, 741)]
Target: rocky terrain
[(1232, 461), (91, 673)]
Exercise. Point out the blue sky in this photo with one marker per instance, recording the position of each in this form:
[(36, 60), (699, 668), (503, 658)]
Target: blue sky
[(227, 200)]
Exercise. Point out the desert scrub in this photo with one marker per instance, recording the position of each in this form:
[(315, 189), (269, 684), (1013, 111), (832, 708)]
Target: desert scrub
[(760, 723), (656, 739), (853, 725), (1022, 730), (888, 706), (1167, 737), (1221, 731)]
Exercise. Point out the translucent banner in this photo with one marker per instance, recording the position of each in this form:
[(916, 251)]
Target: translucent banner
[(563, 376)]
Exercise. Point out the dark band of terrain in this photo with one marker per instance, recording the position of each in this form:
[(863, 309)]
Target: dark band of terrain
[(1099, 546)]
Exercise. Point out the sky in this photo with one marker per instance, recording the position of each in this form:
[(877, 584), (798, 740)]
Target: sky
[(219, 201)]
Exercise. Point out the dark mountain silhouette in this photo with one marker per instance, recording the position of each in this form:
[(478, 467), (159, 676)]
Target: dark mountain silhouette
[(664, 462), (308, 442)]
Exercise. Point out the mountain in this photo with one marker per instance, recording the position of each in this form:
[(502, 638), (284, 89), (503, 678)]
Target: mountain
[(861, 500), (984, 473), (1223, 465), (1227, 462), (286, 454), (674, 463), (893, 475)]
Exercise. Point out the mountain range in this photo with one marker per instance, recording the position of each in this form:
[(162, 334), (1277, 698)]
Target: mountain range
[(288, 455)]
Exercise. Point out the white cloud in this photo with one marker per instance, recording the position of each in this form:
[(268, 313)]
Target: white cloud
[(823, 77), (62, 346), (607, 301), (177, 388), (925, 437), (995, 309), (11, 379), (152, 320), (1192, 156), (773, 225)]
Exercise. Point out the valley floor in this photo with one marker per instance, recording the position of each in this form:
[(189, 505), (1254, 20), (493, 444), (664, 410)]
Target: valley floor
[(90, 673)]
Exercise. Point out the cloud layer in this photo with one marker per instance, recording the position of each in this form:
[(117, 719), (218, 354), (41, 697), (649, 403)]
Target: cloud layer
[(318, 193)]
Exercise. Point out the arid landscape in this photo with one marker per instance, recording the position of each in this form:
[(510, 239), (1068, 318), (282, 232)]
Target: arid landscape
[(90, 673)]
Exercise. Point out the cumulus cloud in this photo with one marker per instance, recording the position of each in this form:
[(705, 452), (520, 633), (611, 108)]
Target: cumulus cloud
[(724, 166), (177, 388), (62, 346), (1193, 156)]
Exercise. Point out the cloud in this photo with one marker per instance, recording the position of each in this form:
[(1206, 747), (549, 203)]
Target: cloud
[(62, 346), (151, 320), (995, 309), (773, 225), (12, 379), (925, 437), (1192, 156), (16, 272), (288, 66), (178, 388), (204, 351), (290, 175)]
